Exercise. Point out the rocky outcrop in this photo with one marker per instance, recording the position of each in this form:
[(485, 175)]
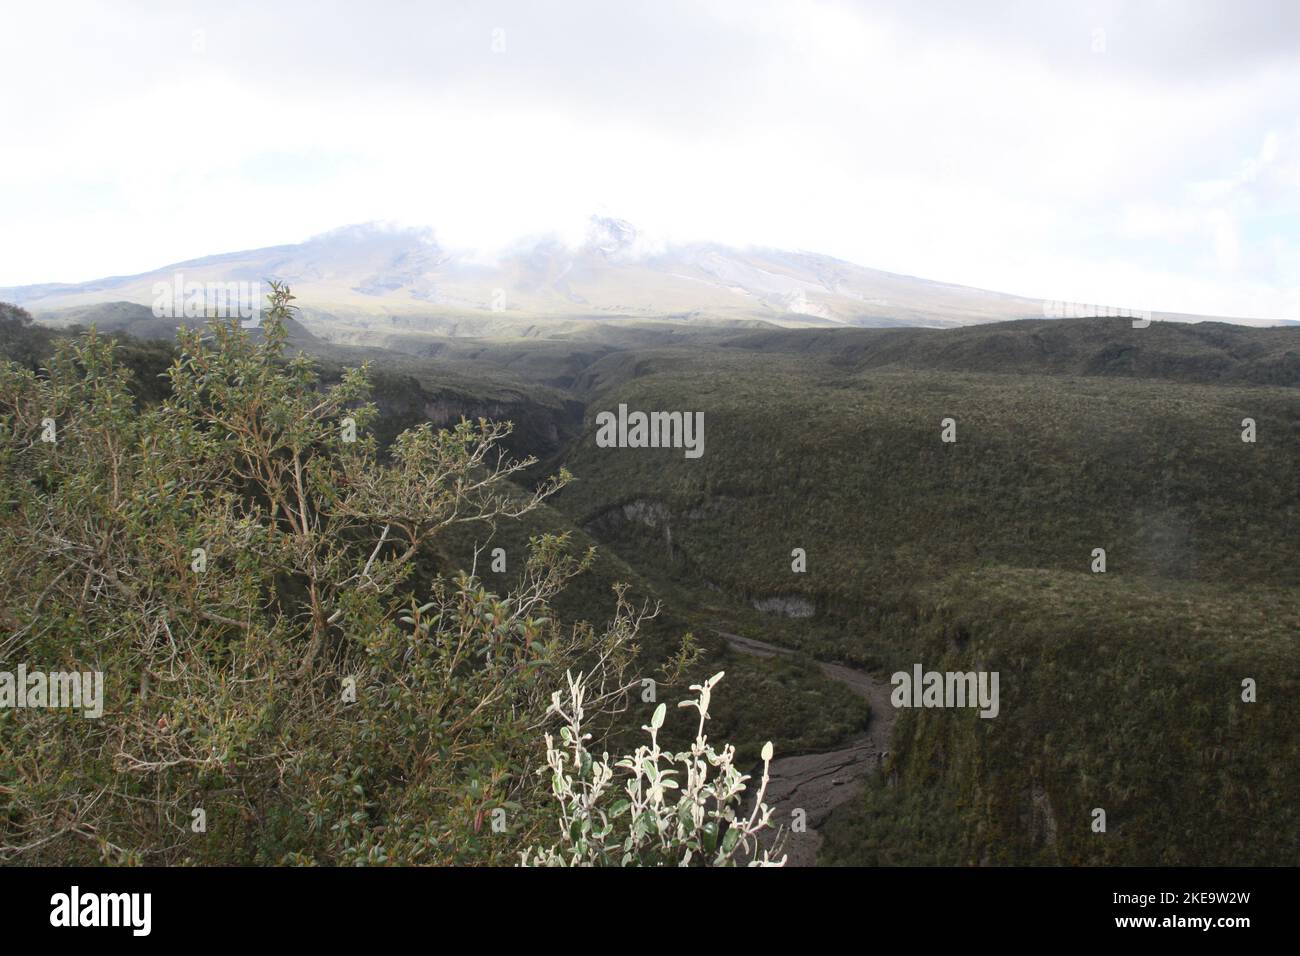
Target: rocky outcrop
[(786, 606)]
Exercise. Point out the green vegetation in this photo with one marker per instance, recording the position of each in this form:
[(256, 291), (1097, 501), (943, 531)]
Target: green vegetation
[(1119, 693), (1043, 470), (287, 677), (1120, 690)]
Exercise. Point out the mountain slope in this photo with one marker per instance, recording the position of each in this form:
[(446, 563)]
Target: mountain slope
[(358, 281), (1121, 687)]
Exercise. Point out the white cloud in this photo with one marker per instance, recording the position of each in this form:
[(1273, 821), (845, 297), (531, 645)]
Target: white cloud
[(995, 152)]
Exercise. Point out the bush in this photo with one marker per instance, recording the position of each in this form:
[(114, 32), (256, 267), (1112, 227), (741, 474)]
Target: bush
[(704, 823), (287, 677)]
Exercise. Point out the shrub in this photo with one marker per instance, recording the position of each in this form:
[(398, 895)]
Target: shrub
[(289, 677), (703, 823)]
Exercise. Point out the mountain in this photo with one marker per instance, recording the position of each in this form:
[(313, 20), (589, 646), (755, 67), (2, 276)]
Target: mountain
[(972, 556), (360, 281)]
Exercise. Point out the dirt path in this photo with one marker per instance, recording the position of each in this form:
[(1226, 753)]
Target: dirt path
[(817, 783)]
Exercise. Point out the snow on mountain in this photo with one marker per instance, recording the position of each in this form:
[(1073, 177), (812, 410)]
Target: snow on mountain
[(360, 277)]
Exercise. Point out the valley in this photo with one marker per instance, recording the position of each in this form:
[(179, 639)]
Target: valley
[(806, 788), (853, 436), (1119, 690)]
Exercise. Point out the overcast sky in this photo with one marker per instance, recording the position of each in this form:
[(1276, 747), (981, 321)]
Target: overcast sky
[(1141, 154)]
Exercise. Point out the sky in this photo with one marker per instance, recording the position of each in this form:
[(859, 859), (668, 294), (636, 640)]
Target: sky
[(1143, 155)]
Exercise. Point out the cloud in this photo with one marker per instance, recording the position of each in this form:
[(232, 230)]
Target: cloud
[(982, 144)]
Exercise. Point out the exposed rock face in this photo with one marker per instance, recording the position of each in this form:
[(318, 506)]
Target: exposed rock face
[(656, 516), (641, 511), (540, 428), (652, 514), (788, 606)]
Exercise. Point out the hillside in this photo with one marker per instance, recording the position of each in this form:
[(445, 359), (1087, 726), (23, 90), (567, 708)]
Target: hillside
[(1121, 689), (780, 700), (979, 554), (1205, 352), (376, 284)]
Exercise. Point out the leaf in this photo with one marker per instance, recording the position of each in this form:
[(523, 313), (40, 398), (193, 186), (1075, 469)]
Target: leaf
[(710, 833), (729, 841)]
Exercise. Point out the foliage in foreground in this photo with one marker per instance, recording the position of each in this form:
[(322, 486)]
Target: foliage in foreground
[(286, 679), (704, 822)]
